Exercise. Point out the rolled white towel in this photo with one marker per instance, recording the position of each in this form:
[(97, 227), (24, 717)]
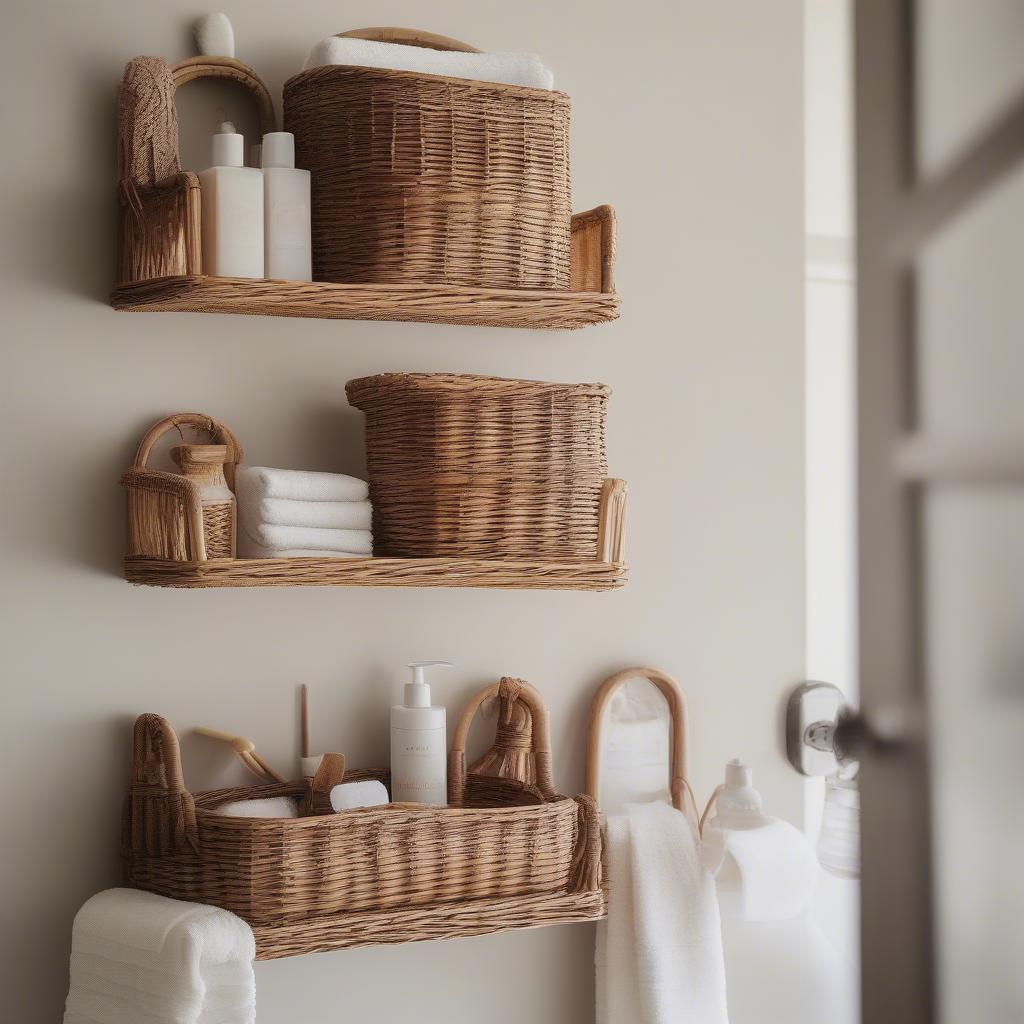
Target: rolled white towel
[(338, 515), (507, 68), (136, 956), (313, 538), (253, 483), (265, 807)]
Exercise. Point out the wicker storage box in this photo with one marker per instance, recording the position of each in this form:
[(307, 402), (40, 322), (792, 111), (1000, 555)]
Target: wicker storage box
[(466, 466), (500, 838), (426, 179)]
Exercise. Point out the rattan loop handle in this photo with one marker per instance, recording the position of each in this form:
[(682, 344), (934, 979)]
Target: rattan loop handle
[(186, 71), (541, 740), (155, 742), (409, 37), (673, 694), (220, 433)]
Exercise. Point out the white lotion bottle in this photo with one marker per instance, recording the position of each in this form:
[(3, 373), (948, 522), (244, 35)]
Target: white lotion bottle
[(419, 743), (232, 204), (285, 211)]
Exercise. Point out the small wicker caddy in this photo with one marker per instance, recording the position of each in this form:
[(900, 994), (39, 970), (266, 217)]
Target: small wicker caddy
[(504, 849)]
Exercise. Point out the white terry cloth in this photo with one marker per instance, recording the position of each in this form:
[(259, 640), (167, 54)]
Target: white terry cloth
[(338, 515), (139, 958), (635, 753), (255, 482), (507, 68), (311, 538), (264, 807), (659, 954), (250, 550), (777, 868)]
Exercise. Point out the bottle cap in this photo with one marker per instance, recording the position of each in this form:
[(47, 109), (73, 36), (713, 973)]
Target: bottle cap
[(228, 147), (279, 149), (417, 693)]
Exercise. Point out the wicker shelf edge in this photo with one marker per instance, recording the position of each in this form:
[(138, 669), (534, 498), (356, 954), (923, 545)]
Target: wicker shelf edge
[(445, 304), (461, 920), (509, 574)]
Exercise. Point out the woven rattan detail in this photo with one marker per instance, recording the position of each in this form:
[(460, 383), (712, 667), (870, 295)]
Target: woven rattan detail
[(218, 529), (425, 179), (465, 466)]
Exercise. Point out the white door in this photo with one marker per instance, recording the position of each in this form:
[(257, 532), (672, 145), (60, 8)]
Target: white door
[(939, 130)]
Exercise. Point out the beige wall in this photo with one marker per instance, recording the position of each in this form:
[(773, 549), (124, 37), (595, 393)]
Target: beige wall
[(687, 117)]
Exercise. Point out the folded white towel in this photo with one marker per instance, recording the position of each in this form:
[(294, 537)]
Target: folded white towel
[(313, 538), (138, 958), (246, 549), (659, 954), (265, 807), (338, 515), (253, 483), (508, 68)]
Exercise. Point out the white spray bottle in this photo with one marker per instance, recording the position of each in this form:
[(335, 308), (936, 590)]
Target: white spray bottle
[(419, 743)]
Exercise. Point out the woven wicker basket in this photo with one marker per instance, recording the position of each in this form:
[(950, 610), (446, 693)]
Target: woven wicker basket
[(464, 466), (427, 179), (500, 838)]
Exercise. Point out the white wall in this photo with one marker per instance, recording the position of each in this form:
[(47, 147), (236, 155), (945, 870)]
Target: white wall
[(687, 117)]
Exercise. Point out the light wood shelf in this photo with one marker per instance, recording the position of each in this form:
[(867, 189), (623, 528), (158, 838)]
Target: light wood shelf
[(476, 917), (591, 299)]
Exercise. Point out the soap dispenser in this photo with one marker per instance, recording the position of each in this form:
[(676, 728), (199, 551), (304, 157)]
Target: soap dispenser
[(419, 745), (232, 210), (286, 203)]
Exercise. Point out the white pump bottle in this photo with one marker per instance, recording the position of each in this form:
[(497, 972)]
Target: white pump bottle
[(419, 744)]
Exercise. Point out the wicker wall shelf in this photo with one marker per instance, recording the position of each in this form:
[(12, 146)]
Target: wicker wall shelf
[(150, 567), (496, 574), (475, 917), (592, 299)]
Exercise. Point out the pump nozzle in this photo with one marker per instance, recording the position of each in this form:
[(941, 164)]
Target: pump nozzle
[(417, 693)]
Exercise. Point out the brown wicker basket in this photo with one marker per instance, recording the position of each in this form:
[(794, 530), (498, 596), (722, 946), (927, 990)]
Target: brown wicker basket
[(427, 179), (500, 839), (461, 465)]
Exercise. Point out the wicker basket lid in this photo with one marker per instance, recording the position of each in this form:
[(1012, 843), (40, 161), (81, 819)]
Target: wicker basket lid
[(366, 389)]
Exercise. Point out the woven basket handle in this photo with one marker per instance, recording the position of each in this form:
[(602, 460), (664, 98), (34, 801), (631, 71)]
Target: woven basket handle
[(186, 71), (160, 812), (673, 694), (217, 430), (541, 744), (409, 37)]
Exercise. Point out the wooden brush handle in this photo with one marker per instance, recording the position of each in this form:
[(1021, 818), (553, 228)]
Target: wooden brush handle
[(673, 694), (409, 37)]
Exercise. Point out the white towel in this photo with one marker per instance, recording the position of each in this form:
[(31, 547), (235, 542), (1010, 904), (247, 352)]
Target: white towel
[(253, 483), (338, 515), (508, 68), (659, 954), (138, 958), (246, 549), (310, 538), (365, 793), (264, 807)]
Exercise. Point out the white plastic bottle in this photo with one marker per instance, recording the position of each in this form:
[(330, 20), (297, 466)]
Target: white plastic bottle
[(285, 211), (232, 203), (419, 747)]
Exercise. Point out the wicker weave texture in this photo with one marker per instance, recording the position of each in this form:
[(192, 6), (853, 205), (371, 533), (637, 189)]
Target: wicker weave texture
[(425, 179), (482, 467), (501, 839)]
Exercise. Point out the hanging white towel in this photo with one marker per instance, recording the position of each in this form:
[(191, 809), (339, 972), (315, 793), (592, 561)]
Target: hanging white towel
[(253, 483), (659, 954), (508, 68), (139, 958), (336, 515)]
